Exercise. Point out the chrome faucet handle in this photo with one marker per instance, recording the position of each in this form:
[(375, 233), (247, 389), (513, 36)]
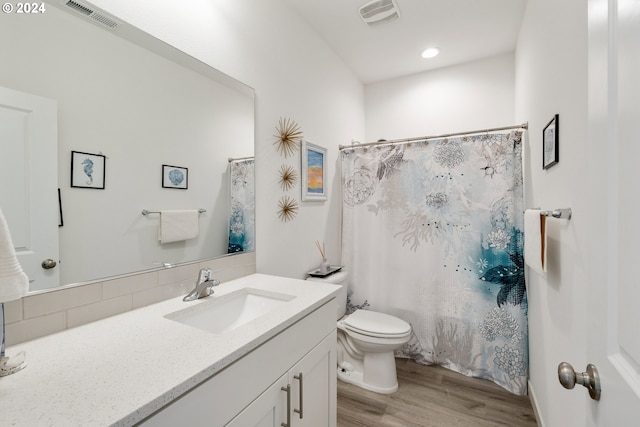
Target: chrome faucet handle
[(209, 285), (204, 285), (205, 275)]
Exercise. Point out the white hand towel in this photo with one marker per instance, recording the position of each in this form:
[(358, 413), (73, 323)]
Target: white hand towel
[(177, 225), (14, 283), (535, 241)]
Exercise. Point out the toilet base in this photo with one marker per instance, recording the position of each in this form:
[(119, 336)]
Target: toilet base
[(355, 378), (375, 372), (371, 370)]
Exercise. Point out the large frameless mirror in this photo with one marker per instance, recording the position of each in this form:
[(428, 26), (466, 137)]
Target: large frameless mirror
[(130, 105)]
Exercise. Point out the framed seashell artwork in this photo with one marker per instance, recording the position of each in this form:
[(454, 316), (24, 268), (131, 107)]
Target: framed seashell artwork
[(175, 177)]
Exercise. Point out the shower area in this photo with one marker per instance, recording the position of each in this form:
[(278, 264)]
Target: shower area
[(433, 234)]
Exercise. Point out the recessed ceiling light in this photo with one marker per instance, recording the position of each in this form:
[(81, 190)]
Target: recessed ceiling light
[(431, 52)]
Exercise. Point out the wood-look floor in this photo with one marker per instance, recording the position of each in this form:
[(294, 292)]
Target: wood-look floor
[(435, 397)]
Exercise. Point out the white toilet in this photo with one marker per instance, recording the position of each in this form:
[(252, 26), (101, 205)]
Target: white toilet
[(366, 343)]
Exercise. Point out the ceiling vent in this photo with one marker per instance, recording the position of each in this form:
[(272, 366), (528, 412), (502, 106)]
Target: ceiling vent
[(100, 17), (379, 11)]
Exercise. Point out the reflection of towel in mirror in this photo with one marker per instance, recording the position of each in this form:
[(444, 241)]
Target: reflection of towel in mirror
[(177, 225), (14, 283), (535, 241)]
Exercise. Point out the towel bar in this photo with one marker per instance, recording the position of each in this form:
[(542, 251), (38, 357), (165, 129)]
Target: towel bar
[(146, 212), (558, 213)]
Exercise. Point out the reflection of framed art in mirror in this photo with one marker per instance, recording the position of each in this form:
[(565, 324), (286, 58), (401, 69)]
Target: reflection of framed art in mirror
[(60, 218), (88, 170), (175, 177)]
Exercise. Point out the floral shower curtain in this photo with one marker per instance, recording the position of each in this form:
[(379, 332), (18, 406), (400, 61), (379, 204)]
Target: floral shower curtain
[(433, 234), (242, 216)]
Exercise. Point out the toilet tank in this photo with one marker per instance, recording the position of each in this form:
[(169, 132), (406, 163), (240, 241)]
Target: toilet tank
[(340, 279)]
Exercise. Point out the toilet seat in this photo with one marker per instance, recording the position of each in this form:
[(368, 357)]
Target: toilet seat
[(374, 324)]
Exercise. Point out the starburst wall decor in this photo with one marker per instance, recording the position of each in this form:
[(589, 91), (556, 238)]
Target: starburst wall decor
[(288, 177), (289, 136), (287, 208)]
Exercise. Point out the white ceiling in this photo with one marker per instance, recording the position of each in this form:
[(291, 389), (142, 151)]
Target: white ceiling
[(464, 30)]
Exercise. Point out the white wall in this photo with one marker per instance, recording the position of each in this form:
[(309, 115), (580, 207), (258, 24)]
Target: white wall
[(551, 77), (475, 95), (294, 75)]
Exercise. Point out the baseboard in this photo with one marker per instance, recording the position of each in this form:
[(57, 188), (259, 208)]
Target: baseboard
[(534, 404)]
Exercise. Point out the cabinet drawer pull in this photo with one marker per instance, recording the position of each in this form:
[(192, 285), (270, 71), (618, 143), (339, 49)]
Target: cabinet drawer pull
[(299, 378), (288, 390)]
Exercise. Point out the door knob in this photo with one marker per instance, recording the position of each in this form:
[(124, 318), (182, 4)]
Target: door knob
[(48, 264), (590, 379)]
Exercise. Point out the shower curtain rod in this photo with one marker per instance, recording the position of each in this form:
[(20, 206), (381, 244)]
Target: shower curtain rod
[(237, 159), (447, 135)]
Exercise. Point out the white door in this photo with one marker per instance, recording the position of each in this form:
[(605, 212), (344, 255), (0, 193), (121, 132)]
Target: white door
[(29, 182), (613, 291)]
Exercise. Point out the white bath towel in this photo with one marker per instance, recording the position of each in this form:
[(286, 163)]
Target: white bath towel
[(14, 283), (535, 241), (178, 225)]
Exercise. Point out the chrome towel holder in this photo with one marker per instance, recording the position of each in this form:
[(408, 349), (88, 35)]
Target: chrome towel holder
[(558, 213), (147, 212)]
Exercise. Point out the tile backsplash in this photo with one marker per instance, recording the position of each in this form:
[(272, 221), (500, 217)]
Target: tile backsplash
[(47, 312)]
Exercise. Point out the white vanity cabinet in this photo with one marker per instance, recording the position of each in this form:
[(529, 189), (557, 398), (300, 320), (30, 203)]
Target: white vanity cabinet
[(304, 396), (252, 390)]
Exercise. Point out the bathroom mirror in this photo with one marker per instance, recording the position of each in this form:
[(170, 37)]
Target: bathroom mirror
[(134, 104)]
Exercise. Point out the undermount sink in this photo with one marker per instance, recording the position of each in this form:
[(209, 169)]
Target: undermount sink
[(227, 312)]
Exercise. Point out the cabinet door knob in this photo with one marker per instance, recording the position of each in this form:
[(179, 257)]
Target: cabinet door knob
[(590, 379), (299, 378), (287, 389)]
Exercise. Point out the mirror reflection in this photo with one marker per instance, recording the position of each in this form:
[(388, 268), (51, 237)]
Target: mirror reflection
[(130, 111)]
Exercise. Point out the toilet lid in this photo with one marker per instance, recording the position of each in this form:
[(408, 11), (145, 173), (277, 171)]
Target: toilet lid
[(376, 324)]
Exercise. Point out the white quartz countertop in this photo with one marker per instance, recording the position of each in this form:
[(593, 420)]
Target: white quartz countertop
[(119, 370)]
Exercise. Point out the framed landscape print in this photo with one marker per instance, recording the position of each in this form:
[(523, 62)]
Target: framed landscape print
[(314, 172)]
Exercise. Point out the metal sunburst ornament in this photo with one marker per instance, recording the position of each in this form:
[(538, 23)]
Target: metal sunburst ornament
[(287, 208), (289, 136), (288, 177)]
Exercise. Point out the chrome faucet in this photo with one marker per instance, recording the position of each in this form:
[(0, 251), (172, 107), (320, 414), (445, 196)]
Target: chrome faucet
[(204, 286)]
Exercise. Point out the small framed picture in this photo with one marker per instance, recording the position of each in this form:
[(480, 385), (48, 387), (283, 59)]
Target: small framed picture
[(314, 172), (87, 170), (550, 143), (175, 177)]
